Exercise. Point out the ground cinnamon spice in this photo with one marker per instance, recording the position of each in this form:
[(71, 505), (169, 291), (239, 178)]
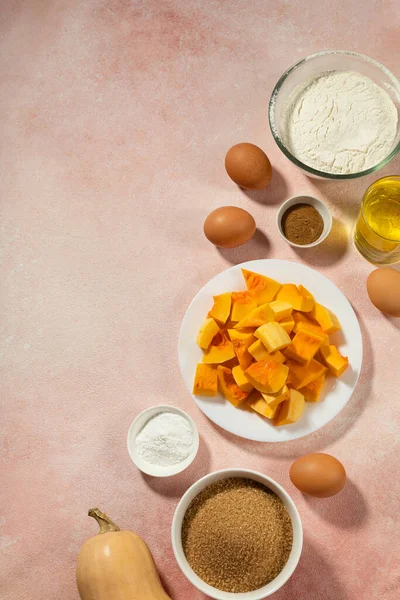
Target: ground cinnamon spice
[(302, 224)]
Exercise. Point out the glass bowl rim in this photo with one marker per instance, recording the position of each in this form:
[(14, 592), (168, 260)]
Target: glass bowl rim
[(289, 155)]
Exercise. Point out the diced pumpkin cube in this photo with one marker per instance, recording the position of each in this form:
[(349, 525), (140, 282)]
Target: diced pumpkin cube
[(273, 400), (267, 376), (241, 379), (325, 318), (301, 375), (281, 310), (221, 350), (205, 380), (312, 391), (228, 386), (287, 323), (259, 352), (304, 346), (262, 288), (295, 297), (290, 410), (257, 403), (336, 363), (221, 309), (206, 333), (302, 321), (273, 336), (241, 342), (242, 305), (260, 315), (308, 298)]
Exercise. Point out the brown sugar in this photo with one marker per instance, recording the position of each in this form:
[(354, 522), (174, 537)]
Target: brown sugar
[(302, 224), (237, 535)]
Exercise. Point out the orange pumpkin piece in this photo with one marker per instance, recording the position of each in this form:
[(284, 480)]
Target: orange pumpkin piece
[(296, 297), (290, 410), (222, 308), (206, 333), (302, 321), (273, 336), (336, 363), (287, 323), (221, 350), (258, 404), (301, 375), (241, 379), (325, 318), (242, 305), (259, 352), (205, 380), (308, 298), (267, 376), (262, 288), (241, 342), (260, 315), (304, 346), (228, 386), (281, 310), (312, 391), (273, 400)]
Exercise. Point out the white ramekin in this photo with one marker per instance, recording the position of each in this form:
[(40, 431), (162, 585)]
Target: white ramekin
[(176, 535), (318, 205), (138, 424)]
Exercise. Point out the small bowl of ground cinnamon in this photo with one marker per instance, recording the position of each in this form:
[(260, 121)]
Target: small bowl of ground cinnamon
[(236, 533), (304, 221)]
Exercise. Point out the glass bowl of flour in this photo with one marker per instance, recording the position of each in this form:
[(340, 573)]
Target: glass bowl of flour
[(336, 115)]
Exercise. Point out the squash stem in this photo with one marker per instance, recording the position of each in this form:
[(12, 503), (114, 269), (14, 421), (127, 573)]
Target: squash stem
[(104, 522)]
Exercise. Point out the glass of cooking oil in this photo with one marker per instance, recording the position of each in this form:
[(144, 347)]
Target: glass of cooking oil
[(377, 230)]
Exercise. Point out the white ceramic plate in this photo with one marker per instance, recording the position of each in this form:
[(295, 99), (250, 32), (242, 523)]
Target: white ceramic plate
[(336, 392)]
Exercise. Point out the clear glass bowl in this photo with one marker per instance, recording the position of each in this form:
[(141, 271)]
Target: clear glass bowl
[(332, 60)]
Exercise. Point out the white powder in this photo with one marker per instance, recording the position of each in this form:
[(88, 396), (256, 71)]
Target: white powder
[(165, 440), (339, 122)]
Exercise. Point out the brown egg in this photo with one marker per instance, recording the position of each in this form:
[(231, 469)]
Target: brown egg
[(248, 166), (229, 226), (383, 287), (319, 475)]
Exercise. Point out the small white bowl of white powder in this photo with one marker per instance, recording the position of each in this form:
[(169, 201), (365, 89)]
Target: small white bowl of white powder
[(163, 441), (336, 115)]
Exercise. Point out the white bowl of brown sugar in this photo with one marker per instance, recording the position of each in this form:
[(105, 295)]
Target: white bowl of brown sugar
[(304, 221), (237, 535)]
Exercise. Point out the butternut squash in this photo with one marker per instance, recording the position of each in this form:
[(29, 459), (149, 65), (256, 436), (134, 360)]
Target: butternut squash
[(116, 565)]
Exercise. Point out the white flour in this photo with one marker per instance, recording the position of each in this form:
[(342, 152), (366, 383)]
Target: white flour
[(165, 440), (339, 122)]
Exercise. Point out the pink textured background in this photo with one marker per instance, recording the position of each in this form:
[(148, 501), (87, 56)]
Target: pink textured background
[(115, 119)]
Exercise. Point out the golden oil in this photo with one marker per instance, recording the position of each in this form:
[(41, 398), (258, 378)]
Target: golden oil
[(377, 231)]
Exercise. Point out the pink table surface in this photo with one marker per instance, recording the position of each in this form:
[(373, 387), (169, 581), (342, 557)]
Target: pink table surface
[(115, 119)]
